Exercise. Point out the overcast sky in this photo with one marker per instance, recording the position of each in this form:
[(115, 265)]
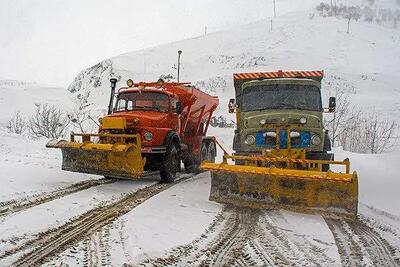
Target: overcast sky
[(50, 41)]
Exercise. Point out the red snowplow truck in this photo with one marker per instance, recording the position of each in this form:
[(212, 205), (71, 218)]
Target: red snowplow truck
[(149, 127)]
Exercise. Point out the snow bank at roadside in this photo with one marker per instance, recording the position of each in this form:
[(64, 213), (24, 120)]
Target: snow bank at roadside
[(378, 177), (28, 168)]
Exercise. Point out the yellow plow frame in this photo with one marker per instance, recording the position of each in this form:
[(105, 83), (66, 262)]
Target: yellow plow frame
[(112, 155), (284, 182)]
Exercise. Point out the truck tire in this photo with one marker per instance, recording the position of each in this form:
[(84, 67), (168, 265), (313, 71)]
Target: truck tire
[(211, 152), (204, 152), (327, 143), (170, 165), (191, 165)]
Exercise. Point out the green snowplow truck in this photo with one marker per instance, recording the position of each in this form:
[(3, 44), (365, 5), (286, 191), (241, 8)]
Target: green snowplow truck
[(282, 152)]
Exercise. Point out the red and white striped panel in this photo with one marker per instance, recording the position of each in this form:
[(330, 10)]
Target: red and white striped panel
[(278, 74)]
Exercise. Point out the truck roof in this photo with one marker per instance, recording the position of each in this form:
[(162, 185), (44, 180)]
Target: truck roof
[(240, 78)]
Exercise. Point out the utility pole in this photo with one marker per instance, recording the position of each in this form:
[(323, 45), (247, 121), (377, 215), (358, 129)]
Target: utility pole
[(179, 62), (274, 8), (144, 65), (271, 25), (205, 30), (335, 8)]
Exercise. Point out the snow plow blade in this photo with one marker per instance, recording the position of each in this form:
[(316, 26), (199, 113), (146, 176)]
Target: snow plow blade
[(119, 160), (272, 187)]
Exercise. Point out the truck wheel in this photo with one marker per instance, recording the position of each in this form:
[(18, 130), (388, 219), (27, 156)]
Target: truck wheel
[(327, 143), (190, 165), (212, 152), (203, 152), (170, 165)]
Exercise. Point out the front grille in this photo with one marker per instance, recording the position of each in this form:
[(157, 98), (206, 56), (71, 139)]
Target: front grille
[(296, 141), (302, 141), (270, 141)]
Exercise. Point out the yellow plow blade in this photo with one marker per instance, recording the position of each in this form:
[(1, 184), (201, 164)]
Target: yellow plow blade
[(300, 190), (114, 160)]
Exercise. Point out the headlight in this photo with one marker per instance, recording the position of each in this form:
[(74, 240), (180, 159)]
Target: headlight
[(270, 134), (315, 140), (129, 83), (303, 120), (250, 140), (148, 136), (294, 134), (263, 121)]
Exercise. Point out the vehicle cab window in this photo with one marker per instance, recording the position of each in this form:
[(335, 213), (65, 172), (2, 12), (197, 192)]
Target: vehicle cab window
[(146, 101)]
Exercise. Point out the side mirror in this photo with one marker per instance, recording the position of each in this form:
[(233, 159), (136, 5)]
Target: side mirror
[(178, 108), (231, 105), (332, 104)]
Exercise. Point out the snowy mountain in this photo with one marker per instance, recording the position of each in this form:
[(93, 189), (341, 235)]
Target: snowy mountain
[(364, 62)]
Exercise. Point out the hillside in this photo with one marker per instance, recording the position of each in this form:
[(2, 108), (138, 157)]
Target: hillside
[(364, 62), (21, 96)]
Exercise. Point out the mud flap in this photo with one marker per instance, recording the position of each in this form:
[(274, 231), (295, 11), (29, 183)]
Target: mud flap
[(299, 190), (112, 160)]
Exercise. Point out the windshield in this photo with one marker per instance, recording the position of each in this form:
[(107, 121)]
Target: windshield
[(142, 101), (281, 96)]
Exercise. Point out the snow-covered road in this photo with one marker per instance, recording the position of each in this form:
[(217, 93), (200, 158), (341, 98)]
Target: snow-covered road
[(175, 225), (52, 217)]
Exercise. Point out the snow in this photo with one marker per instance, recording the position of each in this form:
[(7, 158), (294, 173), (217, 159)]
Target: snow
[(367, 59), (379, 179), (190, 209), (29, 168), (23, 96)]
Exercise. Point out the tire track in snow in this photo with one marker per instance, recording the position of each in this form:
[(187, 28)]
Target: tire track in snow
[(97, 249), (50, 243), (246, 238), (15, 205), (227, 248), (306, 252), (360, 245)]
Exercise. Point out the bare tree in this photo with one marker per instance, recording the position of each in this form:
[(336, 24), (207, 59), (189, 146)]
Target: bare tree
[(378, 134), (80, 114), (16, 124), (48, 121), (396, 18), (351, 13), (344, 113), (322, 8), (369, 14), (166, 77), (212, 85), (368, 134)]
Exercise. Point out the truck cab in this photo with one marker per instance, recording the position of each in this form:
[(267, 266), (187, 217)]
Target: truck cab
[(150, 112), (171, 119), (280, 113)]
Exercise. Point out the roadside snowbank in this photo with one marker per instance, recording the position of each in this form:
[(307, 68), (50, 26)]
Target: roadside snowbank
[(29, 168), (378, 177)]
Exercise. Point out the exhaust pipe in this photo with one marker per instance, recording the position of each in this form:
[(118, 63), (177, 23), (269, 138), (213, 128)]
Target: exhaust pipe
[(179, 63), (113, 82)]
